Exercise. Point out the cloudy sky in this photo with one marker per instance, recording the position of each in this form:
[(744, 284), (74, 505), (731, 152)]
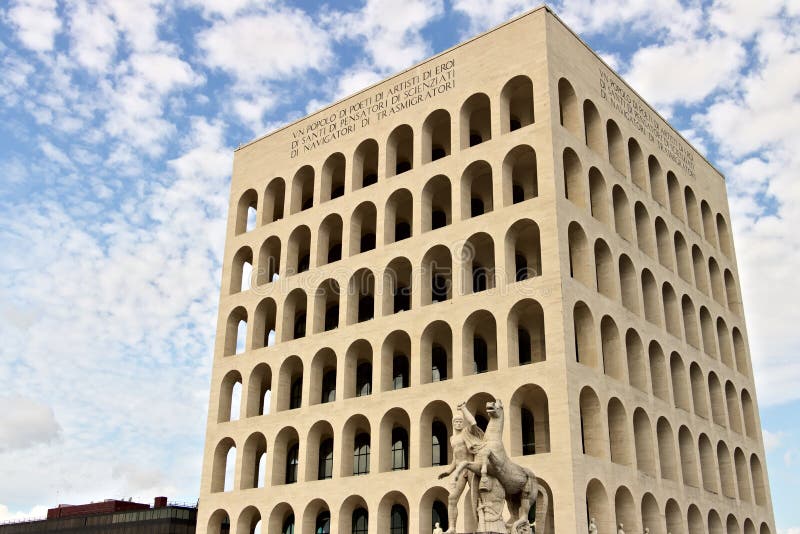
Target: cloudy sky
[(118, 120)]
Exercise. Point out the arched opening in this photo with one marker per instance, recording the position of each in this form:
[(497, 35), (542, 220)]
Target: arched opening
[(520, 175), (616, 147), (666, 450), (637, 364), (356, 445), (644, 231), (664, 245), (222, 474), (476, 190), (604, 270), (674, 518), (569, 114), (619, 436), (734, 414), (652, 520), (585, 344), (363, 226), (593, 128), (688, 458), (750, 422), (230, 397), (708, 467), (435, 427), (652, 306), (354, 516), (329, 240), (302, 190), (700, 272), (365, 164), (580, 263), (598, 196), (699, 391), (597, 507), (433, 510), (684, 258), (692, 210), (254, 462), (241, 270), (523, 251), (726, 470), (396, 361), (436, 204), (637, 163), (734, 301), (742, 476), (299, 251), (672, 311), (592, 439), (717, 400), (269, 261), (675, 196), (398, 216), (436, 136), (397, 288), (530, 421), (436, 358), (759, 483), (696, 523), (626, 511), (691, 334), (613, 360), (394, 435), (479, 343), (714, 523), (629, 284), (476, 120), (658, 184), (574, 183), (294, 315), (477, 258), (219, 523), (622, 214), (516, 104), (680, 384), (333, 177), (709, 224), (265, 323), (725, 241), (290, 384), (323, 377), (361, 297), (259, 391), (246, 211), (358, 370), (274, 198), (659, 377), (236, 332), (732, 525), (281, 520), (316, 518), (319, 451), (526, 333), (249, 521), (286, 457), (326, 306), (437, 275), (400, 150), (740, 352)]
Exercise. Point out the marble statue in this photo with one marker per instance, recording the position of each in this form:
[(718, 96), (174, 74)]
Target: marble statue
[(499, 480), (592, 526), (465, 439), (437, 529), (620, 530)]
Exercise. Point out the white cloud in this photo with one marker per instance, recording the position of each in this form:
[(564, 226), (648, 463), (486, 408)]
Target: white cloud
[(25, 422), (36, 22), (791, 530), (742, 18), (772, 440), (94, 36), (483, 15), (36, 512)]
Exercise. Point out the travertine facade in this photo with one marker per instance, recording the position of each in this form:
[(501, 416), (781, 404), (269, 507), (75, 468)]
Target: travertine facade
[(507, 218)]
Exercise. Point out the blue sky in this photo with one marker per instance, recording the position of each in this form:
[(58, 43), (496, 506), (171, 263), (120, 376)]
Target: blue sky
[(118, 121)]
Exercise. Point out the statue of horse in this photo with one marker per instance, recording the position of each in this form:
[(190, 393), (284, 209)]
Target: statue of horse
[(520, 483)]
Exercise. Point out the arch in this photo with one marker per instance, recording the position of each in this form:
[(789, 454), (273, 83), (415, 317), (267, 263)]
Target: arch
[(732, 403), (684, 259), (290, 384), (365, 164), (638, 165), (749, 411), (733, 301), (616, 147), (476, 190), (298, 251), (725, 241), (436, 136), (666, 450), (222, 473), (726, 475), (230, 396), (629, 281), (732, 525), (724, 341), (709, 224), (241, 270), (396, 357), (435, 428), (742, 476), (626, 510), (691, 334), (658, 184), (219, 522), (622, 213), (395, 437), (249, 521), (717, 285), (674, 518), (688, 458), (333, 177), (516, 104), (436, 358), (568, 107), (356, 446), (281, 520), (397, 286), (593, 128), (530, 416), (319, 451), (520, 175), (269, 261), (286, 457), (619, 434), (361, 297), (323, 377), (437, 203), (329, 239), (584, 336), (317, 518), (695, 518), (636, 363), (295, 308), (259, 391), (302, 190), (717, 400), (393, 514), (749, 527), (478, 267), (652, 520), (675, 196), (613, 360), (714, 523), (659, 377), (354, 516), (476, 120), (363, 224), (643, 437), (437, 275), (673, 312), (708, 465), (236, 331), (698, 391), (326, 306), (598, 196), (246, 211), (398, 216), (254, 454), (574, 183), (740, 352), (604, 273), (358, 369), (644, 231), (523, 251), (526, 333), (664, 245), (680, 384), (592, 440), (759, 482), (597, 506), (652, 307), (479, 343), (700, 272), (400, 150), (580, 264), (692, 210), (274, 198)]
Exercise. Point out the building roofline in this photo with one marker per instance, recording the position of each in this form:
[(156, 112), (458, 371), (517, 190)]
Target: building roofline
[(528, 13)]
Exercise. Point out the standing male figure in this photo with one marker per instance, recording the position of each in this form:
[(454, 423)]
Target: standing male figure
[(466, 440)]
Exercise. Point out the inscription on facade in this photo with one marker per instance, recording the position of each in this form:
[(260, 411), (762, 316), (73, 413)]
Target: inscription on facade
[(381, 104), (646, 122)]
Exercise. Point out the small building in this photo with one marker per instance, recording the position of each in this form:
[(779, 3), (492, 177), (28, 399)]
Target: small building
[(111, 515)]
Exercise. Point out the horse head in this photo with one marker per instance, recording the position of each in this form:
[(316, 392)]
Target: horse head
[(495, 409)]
